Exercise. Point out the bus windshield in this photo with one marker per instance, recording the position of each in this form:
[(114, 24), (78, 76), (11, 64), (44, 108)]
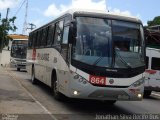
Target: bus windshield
[(19, 49), (108, 43)]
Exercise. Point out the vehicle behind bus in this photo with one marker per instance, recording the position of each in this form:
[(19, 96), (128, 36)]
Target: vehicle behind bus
[(152, 73), (89, 55), (18, 53)]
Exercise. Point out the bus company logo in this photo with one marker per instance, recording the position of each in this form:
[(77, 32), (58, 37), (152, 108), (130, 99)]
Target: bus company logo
[(43, 56), (111, 70), (111, 81)]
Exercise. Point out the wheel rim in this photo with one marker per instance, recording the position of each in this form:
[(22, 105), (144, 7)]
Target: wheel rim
[(55, 88), (32, 78)]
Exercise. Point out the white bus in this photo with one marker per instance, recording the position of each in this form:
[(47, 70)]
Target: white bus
[(80, 55), (152, 74), (155, 28), (18, 51)]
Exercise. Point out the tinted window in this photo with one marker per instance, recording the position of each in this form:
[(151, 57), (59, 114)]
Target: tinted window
[(65, 35), (67, 19), (30, 40), (39, 38), (44, 36), (50, 34), (34, 39), (58, 33), (147, 61), (155, 63)]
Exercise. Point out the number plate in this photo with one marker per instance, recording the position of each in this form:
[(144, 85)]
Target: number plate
[(97, 80)]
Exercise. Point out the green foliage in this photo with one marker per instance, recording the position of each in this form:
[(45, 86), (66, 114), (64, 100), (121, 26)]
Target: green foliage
[(6, 25), (155, 21)]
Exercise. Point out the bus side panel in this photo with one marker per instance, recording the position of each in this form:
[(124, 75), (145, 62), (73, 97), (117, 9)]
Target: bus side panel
[(48, 59)]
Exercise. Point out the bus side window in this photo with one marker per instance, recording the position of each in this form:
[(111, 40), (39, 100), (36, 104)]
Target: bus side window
[(50, 35), (30, 40), (39, 38), (58, 33), (67, 19), (34, 39), (65, 35), (147, 62), (44, 36)]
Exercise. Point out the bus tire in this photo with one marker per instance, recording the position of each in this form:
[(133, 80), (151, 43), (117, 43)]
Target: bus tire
[(147, 93), (57, 95), (18, 69), (33, 79)]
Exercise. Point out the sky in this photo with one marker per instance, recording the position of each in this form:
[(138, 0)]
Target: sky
[(43, 11)]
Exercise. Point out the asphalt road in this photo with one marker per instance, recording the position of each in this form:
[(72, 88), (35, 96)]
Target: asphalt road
[(37, 100)]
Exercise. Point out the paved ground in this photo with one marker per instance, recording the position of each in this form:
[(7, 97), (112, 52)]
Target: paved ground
[(14, 99), (19, 96)]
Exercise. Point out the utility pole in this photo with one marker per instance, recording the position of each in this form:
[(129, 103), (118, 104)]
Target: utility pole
[(25, 19), (7, 13), (33, 26)]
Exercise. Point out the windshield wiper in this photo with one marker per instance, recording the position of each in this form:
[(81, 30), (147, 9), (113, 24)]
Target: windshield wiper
[(122, 60), (98, 60)]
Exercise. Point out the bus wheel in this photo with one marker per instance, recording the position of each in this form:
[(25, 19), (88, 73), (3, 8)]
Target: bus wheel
[(18, 69), (33, 79), (147, 93), (57, 95)]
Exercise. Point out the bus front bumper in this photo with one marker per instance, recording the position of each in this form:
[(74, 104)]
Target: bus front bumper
[(21, 65), (88, 91)]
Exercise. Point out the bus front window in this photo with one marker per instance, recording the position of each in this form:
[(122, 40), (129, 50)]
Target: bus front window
[(108, 43), (19, 49), (128, 44), (93, 41)]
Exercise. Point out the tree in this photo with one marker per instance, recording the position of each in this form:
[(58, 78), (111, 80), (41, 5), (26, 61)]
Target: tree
[(155, 21), (6, 25)]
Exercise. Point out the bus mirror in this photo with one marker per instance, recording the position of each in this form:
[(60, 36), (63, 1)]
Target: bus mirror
[(72, 31), (73, 24)]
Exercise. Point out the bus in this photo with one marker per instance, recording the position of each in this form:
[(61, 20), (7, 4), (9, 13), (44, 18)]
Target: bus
[(155, 28), (80, 55), (18, 51), (152, 74)]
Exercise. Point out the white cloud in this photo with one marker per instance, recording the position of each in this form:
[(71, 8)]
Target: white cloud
[(126, 12), (4, 4), (53, 10), (115, 10)]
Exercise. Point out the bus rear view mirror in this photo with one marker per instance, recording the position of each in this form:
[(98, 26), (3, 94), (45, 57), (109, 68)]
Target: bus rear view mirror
[(73, 24), (73, 30)]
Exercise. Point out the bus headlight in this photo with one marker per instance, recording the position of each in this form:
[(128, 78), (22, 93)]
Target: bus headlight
[(12, 61), (139, 95), (75, 92), (139, 82)]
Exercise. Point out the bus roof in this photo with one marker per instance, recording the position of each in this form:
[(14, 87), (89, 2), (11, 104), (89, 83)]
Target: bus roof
[(18, 37), (94, 13), (103, 13)]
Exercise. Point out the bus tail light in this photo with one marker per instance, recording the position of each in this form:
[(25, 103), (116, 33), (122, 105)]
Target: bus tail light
[(151, 71)]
